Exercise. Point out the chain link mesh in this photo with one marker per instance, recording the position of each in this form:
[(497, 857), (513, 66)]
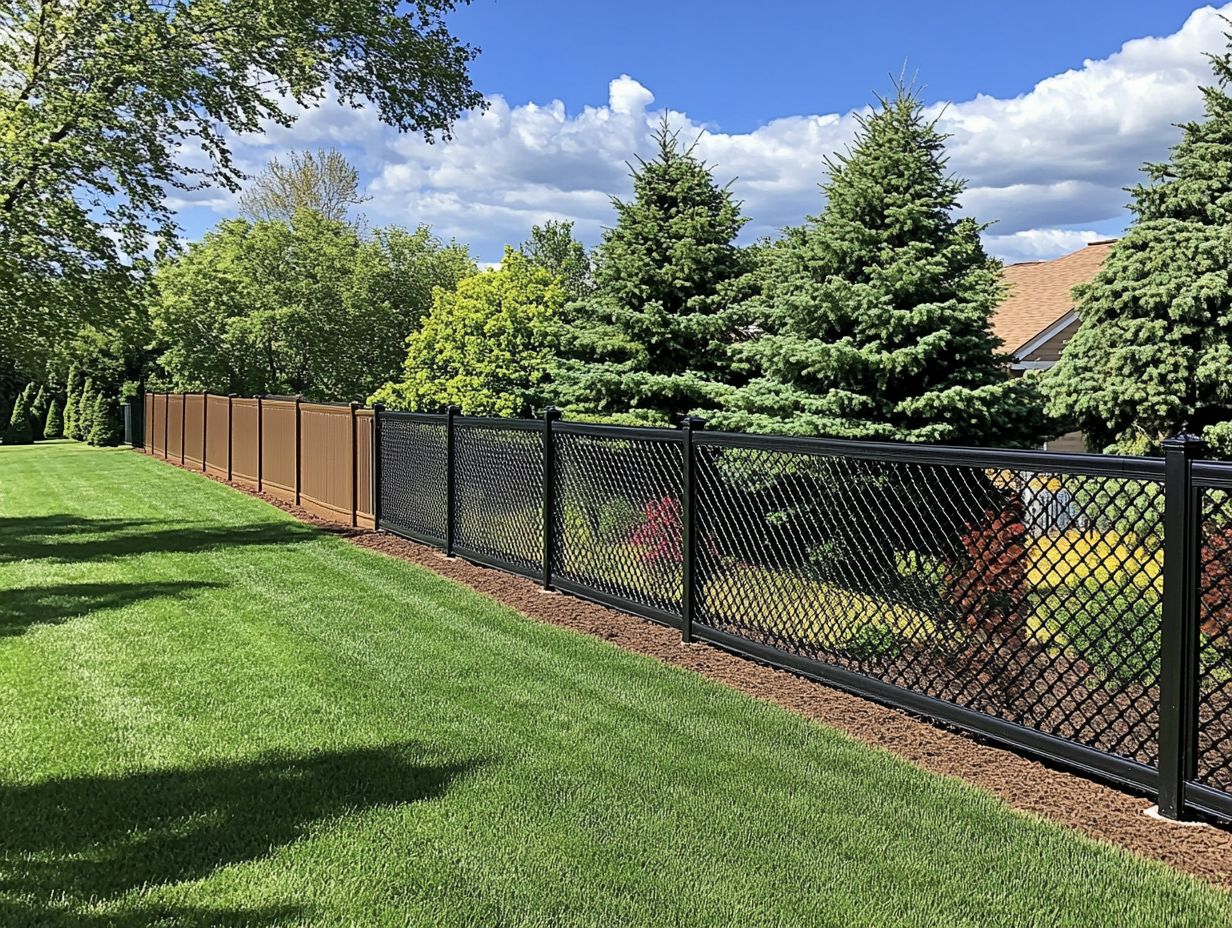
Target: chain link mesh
[(413, 473), (618, 527), (1032, 597), (499, 484), (1215, 642)]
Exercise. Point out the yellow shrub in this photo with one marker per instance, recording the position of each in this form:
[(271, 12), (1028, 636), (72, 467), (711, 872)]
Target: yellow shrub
[(1107, 557)]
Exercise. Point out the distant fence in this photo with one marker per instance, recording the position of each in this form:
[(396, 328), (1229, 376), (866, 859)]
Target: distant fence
[(316, 455), (1076, 607)]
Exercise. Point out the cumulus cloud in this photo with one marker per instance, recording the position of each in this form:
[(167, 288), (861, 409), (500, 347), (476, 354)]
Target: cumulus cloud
[(1047, 167)]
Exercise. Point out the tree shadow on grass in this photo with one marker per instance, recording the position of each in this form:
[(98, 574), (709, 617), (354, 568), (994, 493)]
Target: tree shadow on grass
[(70, 539), (52, 604), (93, 839)]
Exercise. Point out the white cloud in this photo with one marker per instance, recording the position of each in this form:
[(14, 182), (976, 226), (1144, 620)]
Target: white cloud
[(1046, 166)]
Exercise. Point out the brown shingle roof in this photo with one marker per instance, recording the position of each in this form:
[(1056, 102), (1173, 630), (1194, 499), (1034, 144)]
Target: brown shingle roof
[(1039, 293)]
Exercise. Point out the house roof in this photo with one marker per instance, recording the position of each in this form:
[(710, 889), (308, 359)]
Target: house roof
[(1040, 293)]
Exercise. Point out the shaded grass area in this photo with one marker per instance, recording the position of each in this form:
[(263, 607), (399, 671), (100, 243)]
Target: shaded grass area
[(213, 715)]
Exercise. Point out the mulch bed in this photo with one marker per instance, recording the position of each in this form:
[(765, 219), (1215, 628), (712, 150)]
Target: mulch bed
[(1099, 811)]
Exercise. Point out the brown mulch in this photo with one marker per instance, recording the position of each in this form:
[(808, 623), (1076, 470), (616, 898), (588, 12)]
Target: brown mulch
[(1099, 811)]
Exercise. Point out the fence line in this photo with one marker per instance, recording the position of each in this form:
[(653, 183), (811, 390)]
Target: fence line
[(1075, 607), (317, 456)]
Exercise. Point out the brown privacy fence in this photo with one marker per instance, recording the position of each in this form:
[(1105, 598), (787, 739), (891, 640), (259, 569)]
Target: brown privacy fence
[(313, 454)]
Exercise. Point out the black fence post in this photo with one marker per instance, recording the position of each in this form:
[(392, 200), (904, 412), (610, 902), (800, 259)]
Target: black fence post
[(377, 409), (550, 415), (451, 502), (688, 528), (1178, 671)]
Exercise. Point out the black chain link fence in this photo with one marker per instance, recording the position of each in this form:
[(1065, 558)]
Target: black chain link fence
[(412, 467), (1017, 594), (499, 492)]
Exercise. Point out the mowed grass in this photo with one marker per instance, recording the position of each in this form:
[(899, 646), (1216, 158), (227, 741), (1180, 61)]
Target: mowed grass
[(213, 715)]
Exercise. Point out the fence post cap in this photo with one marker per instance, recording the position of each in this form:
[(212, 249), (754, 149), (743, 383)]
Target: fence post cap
[(1185, 442), (378, 407), (692, 423), (356, 404), (232, 396), (453, 410), (552, 413)]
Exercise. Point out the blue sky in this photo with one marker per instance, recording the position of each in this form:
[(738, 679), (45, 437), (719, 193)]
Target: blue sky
[(1053, 106)]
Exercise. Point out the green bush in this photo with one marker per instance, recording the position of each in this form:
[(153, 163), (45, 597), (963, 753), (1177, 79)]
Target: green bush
[(38, 412), (72, 400), (105, 421), (1113, 627), (19, 431), (53, 426), (84, 421)]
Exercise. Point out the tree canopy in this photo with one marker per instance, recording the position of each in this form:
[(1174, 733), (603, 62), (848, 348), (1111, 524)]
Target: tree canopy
[(322, 181), (106, 107), (1153, 349), (552, 247), (876, 313), (654, 336), (309, 306), (485, 346)]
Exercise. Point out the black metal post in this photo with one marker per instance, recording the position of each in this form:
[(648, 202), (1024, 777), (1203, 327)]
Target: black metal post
[(377, 409), (550, 415), (688, 528), (1178, 671), (450, 496)]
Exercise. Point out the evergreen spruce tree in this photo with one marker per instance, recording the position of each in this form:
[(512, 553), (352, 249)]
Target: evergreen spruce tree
[(1153, 351), (72, 399), (38, 412), (20, 431), (105, 422), (84, 421), (53, 426), (877, 311), (653, 338)]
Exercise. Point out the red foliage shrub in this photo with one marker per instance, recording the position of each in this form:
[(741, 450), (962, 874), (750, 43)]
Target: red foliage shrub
[(660, 536), (984, 583)]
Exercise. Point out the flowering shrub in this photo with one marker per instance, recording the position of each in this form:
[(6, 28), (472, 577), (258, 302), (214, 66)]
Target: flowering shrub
[(660, 536), (984, 583)]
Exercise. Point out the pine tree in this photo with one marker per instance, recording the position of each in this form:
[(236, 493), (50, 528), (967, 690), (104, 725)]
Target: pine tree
[(19, 431), (53, 426), (84, 421), (38, 412), (1154, 347), (72, 399), (105, 421), (877, 311), (653, 339)]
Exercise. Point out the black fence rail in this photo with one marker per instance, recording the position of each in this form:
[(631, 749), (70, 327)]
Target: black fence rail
[(1076, 607)]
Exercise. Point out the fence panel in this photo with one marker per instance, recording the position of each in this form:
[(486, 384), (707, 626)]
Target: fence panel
[(617, 511), (413, 464), (327, 468), (1030, 596), (498, 480), (147, 423), (245, 441), (175, 427), (278, 451), (1214, 717), (364, 462), (217, 435), (194, 429)]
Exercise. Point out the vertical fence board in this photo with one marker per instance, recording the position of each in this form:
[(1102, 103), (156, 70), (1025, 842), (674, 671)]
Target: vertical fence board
[(326, 465), (217, 436), (278, 471)]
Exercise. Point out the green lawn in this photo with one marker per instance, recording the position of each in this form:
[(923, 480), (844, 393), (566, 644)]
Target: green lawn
[(213, 715)]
